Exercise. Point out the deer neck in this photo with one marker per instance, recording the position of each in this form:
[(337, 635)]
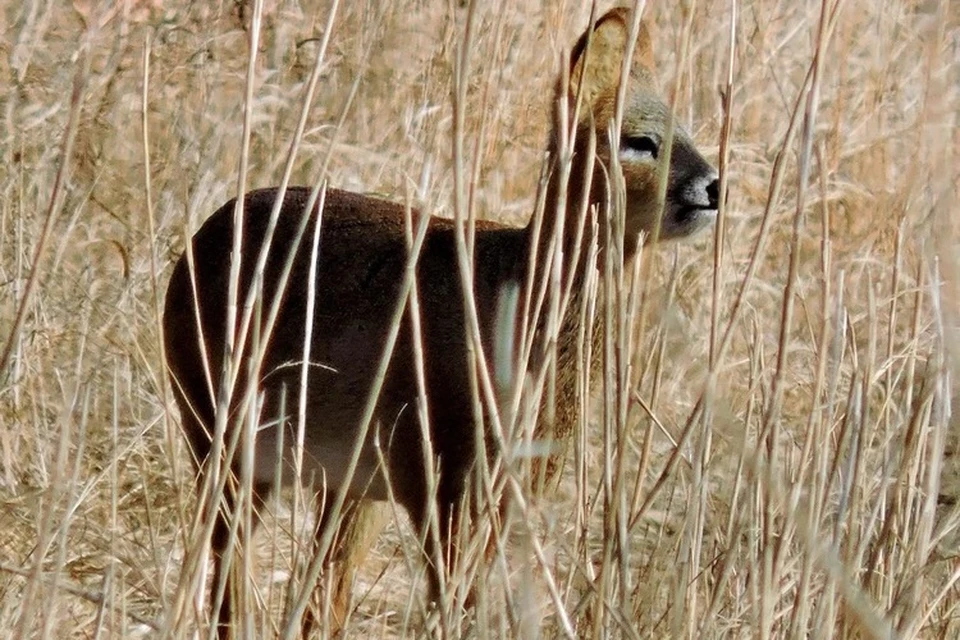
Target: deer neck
[(566, 226)]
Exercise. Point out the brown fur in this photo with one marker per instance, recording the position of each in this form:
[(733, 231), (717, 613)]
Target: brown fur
[(362, 257)]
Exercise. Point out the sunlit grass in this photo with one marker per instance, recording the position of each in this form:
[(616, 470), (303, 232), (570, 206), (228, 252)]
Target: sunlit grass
[(800, 483)]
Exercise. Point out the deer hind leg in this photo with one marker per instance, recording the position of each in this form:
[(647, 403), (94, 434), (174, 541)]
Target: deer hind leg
[(227, 581), (356, 530)]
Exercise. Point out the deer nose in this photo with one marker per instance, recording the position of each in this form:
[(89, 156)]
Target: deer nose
[(713, 193)]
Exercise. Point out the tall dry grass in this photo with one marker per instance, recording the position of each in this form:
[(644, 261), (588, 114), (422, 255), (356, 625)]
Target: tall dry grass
[(776, 456)]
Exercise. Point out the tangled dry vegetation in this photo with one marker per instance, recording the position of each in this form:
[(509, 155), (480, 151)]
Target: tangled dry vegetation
[(785, 463)]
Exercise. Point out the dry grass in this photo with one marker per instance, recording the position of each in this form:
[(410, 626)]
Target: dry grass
[(788, 470)]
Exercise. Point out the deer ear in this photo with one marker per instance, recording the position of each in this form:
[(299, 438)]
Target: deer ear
[(643, 52), (597, 72)]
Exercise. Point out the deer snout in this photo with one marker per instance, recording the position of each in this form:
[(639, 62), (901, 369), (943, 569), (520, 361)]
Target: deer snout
[(713, 193), (692, 205), (700, 192)]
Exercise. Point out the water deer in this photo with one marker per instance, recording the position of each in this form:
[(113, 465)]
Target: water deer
[(352, 282)]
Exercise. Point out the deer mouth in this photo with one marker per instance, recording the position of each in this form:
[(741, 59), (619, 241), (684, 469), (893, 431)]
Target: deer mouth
[(687, 220)]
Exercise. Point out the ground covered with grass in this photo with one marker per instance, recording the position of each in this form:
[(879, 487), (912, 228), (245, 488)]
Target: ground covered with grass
[(785, 466)]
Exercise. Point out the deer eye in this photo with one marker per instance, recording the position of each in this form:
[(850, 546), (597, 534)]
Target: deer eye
[(644, 146)]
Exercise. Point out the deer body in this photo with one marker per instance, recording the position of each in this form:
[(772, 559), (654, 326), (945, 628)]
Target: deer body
[(362, 258), (359, 271)]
